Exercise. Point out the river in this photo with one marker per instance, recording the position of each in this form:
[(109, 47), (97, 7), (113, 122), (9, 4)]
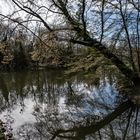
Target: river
[(47, 105)]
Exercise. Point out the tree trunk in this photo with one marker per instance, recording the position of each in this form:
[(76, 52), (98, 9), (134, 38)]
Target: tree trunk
[(93, 43), (130, 74)]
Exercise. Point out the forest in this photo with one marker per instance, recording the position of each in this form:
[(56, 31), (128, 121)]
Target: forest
[(49, 33), (88, 37)]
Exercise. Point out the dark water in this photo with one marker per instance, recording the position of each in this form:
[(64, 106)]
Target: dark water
[(46, 105)]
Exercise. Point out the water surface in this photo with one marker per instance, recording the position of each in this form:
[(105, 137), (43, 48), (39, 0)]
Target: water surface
[(46, 105)]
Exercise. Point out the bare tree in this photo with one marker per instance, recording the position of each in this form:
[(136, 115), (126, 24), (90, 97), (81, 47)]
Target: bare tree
[(95, 24)]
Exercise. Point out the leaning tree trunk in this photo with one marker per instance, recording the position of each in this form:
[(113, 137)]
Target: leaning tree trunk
[(130, 74), (93, 43), (82, 32)]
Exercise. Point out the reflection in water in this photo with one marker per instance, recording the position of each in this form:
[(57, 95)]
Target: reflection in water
[(45, 106)]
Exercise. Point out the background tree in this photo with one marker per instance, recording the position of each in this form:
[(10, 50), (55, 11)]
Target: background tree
[(105, 26)]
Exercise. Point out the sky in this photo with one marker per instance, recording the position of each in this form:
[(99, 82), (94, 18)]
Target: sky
[(6, 7)]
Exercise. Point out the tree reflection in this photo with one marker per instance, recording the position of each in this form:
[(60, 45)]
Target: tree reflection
[(95, 126), (68, 108)]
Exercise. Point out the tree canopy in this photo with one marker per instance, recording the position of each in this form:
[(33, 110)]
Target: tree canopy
[(106, 26)]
